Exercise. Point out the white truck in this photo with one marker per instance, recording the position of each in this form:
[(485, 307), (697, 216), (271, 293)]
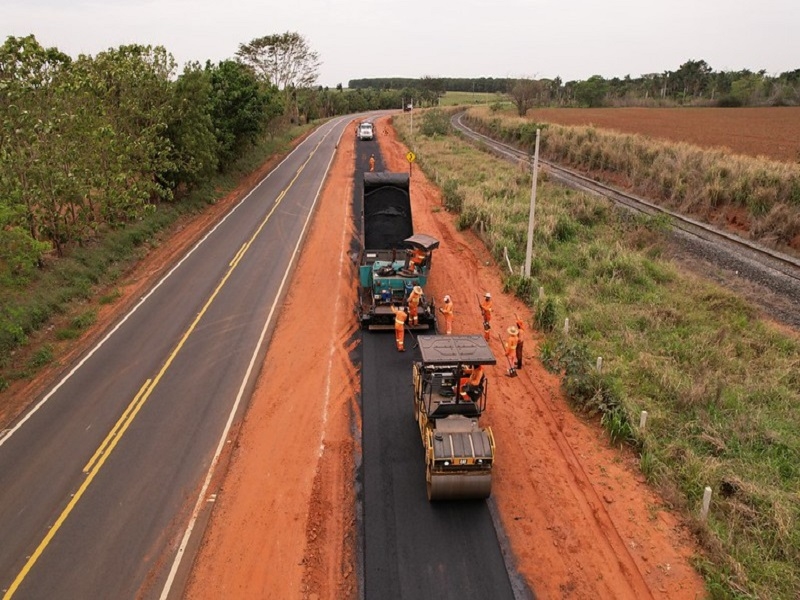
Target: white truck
[(366, 131)]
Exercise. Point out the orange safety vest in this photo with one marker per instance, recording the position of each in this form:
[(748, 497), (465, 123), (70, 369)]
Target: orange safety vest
[(486, 307)]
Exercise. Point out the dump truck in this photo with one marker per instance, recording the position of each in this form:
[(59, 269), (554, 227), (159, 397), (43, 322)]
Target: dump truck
[(459, 453), (393, 259)]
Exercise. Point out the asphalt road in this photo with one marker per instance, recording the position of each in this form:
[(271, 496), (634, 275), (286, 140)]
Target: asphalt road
[(413, 548), (100, 479)]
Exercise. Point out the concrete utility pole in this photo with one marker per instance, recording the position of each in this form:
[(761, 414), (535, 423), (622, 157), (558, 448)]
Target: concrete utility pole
[(411, 114), (529, 250)]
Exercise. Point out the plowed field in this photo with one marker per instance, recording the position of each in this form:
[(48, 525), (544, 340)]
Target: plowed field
[(772, 132)]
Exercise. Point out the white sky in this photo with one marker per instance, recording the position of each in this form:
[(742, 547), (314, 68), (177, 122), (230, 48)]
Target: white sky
[(573, 39)]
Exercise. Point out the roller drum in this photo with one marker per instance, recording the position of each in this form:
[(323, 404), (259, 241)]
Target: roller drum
[(457, 486)]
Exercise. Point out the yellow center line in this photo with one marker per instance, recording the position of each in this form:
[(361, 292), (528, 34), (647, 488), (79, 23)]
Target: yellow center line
[(115, 435), (117, 426)]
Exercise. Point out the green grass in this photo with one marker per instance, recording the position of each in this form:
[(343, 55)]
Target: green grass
[(470, 98), (722, 388)]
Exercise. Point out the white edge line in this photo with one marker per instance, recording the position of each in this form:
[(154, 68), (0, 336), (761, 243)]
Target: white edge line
[(201, 497), (7, 433)]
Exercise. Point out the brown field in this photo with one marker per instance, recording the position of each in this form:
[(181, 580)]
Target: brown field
[(772, 132)]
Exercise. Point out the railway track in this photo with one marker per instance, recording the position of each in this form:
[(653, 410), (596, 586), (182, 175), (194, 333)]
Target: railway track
[(743, 259)]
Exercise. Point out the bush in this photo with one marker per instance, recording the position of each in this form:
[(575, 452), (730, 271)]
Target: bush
[(435, 122), (453, 197)]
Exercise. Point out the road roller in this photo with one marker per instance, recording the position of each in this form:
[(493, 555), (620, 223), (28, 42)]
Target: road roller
[(450, 391)]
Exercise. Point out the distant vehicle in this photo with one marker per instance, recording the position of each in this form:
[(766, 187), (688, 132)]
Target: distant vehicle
[(408, 107), (366, 131)]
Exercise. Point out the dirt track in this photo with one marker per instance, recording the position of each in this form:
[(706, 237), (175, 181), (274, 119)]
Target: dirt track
[(580, 520)]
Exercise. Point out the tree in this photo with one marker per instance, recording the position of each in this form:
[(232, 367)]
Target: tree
[(591, 92), (524, 94), (191, 129), (284, 60), (237, 108)]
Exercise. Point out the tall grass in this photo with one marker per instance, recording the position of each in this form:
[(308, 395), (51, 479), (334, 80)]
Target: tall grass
[(761, 195), (722, 388)]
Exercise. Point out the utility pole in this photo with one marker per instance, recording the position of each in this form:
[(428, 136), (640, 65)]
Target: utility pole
[(535, 174)]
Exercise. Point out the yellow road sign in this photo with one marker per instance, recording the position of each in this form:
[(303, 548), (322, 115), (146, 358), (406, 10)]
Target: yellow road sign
[(411, 157)]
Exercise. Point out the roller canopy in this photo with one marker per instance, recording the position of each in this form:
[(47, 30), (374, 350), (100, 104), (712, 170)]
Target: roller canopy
[(422, 240), (452, 349)]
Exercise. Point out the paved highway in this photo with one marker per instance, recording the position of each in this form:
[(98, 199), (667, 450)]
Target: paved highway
[(414, 548), (101, 478)]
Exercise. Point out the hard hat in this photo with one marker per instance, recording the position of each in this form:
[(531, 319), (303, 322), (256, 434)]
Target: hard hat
[(513, 330), (488, 295), (447, 298), (417, 290)]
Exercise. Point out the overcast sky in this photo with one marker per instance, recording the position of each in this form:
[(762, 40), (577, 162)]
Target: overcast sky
[(573, 39)]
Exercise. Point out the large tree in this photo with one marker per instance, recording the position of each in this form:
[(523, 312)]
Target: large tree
[(524, 93), (284, 60)]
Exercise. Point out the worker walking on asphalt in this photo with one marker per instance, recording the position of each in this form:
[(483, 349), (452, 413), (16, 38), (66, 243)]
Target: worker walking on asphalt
[(413, 306), (520, 329), (447, 311), (486, 311), (511, 350), (400, 317), (371, 163)]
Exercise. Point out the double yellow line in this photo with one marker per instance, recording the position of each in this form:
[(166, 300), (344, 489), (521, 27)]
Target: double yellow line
[(105, 449)]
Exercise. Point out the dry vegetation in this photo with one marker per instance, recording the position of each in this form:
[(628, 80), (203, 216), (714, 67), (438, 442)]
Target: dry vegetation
[(753, 195)]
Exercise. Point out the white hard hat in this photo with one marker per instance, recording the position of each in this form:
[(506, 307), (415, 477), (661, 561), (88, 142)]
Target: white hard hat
[(447, 298), (488, 295)]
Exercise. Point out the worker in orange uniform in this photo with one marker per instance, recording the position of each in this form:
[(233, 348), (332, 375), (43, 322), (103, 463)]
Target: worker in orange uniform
[(418, 256), (511, 350), (472, 386), (447, 311), (520, 329), (486, 311), (400, 317), (371, 163), (413, 305)]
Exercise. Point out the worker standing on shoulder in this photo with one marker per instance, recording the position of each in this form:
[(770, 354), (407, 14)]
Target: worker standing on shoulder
[(486, 311), (447, 311), (371, 163), (511, 350), (413, 306), (400, 317), (520, 329)]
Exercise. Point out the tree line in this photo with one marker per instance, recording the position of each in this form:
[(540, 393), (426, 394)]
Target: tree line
[(693, 83)]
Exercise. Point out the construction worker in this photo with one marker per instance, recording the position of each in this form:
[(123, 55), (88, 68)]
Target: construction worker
[(417, 258), (413, 305), (486, 311), (371, 163), (400, 317), (472, 386), (447, 311), (511, 350), (520, 329)]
